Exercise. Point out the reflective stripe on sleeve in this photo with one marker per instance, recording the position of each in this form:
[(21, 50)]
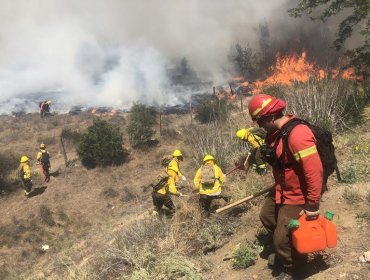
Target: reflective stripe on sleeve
[(305, 153)]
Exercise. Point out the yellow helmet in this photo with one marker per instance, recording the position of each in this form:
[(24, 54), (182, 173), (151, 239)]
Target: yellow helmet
[(42, 146), (241, 133), (177, 153), (48, 102), (24, 159), (207, 158)]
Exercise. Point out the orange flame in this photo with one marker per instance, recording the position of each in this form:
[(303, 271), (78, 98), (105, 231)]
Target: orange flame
[(293, 68)]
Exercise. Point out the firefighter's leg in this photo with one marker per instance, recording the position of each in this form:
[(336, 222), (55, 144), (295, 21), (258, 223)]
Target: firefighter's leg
[(170, 205), (46, 173), (27, 187), (268, 217), (282, 236), (205, 202), (157, 201)]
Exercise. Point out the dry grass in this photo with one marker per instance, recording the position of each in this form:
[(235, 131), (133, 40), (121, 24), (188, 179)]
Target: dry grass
[(212, 139)]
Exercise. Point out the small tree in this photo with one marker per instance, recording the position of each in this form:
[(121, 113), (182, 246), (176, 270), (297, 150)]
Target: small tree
[(140, 128), (101, 145)]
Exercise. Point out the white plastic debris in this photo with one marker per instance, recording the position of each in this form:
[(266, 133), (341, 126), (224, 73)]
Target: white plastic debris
[(45, 247)]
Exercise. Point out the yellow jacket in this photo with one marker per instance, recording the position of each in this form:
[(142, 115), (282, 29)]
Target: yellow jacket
[(26, 171), (255, 141), (216, 188), (171, 183)]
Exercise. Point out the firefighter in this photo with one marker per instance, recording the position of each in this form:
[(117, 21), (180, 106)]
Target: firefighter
[(44, 108), (208, 180), (177, 157), (162, 197), (255, 137), (25, 175), (298, 178), (43, 159)]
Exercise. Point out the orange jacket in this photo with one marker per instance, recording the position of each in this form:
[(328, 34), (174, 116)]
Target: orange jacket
[(302, 172)]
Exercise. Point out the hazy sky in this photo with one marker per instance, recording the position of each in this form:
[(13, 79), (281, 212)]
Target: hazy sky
[(113, 52)]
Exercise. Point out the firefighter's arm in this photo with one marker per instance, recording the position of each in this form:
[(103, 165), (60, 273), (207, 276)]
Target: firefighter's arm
[(172, 182), (197, 179), (220, 175), (302, 144), (38, 158)]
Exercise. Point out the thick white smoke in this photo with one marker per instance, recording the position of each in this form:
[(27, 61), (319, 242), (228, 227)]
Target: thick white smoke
[(115, 52)]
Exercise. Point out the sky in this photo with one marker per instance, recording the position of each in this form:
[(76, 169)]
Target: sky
[(115, 52)]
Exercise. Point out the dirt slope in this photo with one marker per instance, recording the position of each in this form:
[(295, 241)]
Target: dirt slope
[(87, 208)]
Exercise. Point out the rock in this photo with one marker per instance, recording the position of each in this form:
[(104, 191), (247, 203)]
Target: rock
[(342, 275), (367, 256), (255, 276), (361, 259)]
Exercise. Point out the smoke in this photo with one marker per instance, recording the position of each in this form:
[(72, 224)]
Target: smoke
[(115, 52)]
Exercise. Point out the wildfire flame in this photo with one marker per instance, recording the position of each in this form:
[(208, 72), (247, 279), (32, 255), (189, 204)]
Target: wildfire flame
[(296, 68)]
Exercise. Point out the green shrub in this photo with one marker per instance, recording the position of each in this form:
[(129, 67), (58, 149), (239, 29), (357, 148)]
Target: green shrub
[(140, 128), (101, 145), (213, 109), (8, 163), (244, 255)]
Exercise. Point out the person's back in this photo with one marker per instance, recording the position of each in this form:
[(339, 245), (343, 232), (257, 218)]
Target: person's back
[(43, 158), (208, 180)]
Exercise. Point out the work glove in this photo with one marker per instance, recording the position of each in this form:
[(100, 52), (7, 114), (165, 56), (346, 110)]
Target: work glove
[(312, 212), (183, 178), (179, 194)]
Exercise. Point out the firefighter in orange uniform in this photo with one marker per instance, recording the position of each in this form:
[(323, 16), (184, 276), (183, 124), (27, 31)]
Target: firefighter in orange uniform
[(298, 178)]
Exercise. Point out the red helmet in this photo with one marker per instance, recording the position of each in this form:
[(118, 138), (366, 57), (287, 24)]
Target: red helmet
[(264, 105)]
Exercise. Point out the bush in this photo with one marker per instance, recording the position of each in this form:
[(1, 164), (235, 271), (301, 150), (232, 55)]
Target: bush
[(140, 128), (101, 145), (8, 163), (244, 255), (211, 110)]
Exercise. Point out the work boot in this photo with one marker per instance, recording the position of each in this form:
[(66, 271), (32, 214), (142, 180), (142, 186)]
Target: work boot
[(271, 260), (286, 273), (26, 193)]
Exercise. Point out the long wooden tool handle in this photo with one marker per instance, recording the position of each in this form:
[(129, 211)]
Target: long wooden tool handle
[(243, 200)]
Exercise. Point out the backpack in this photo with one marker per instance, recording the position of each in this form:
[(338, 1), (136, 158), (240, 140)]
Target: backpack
[(207, 175), (257, 131), (324, 145), (165, 161), (21, 173), (45, 159), (160, 181)]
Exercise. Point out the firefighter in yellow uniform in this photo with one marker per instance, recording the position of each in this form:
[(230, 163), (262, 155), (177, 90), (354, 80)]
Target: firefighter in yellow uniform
[(25, 175), (255, 137), (163, 195), (209, 188)]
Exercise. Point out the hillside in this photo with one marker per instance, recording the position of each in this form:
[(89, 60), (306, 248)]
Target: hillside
[(87, 216)]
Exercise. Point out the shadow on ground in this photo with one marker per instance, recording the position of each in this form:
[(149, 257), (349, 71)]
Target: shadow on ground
[(37, 191)]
